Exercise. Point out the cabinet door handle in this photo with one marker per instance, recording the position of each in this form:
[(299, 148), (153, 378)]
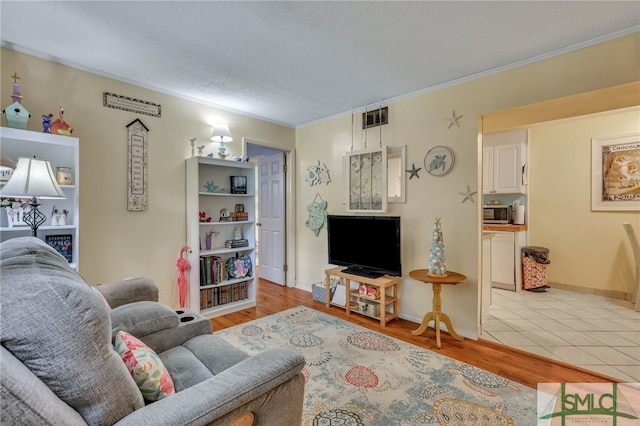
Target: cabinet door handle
[(258, 224)]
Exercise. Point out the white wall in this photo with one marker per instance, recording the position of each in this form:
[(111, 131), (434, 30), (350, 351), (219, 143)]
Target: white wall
[(419, 122), (587, 249)]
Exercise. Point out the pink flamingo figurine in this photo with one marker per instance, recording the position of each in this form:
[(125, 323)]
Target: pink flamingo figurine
[(183, 266), (59, 126)]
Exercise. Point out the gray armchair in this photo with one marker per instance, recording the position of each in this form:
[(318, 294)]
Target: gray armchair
[(58, 364)]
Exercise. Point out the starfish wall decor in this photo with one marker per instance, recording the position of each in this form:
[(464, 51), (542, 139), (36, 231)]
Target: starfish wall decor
[(414, 171), (453, 120), (468, 195)]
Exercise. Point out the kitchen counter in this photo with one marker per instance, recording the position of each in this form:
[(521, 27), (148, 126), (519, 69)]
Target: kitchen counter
[(505, 228)]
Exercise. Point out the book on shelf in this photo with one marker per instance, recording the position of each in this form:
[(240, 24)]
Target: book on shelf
[(216, 296), (63, 244), (236, 243), (212, 270)]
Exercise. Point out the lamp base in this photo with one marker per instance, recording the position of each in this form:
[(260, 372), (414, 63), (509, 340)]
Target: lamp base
[(34, 218)]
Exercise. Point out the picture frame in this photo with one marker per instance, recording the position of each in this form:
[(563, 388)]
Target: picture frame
[(366, 174), (615, 173), (238, 184), (63, 244)]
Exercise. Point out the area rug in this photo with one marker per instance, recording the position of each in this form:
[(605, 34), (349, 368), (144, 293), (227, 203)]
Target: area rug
[(355, 376)]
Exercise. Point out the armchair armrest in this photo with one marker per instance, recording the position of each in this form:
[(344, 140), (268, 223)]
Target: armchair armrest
[(128, 291), (268, 384)]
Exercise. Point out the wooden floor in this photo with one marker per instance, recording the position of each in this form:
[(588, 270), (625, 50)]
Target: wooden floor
[(513, 364)]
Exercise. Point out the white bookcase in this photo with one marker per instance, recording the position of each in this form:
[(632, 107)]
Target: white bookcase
[(208, 296), (60, 151)]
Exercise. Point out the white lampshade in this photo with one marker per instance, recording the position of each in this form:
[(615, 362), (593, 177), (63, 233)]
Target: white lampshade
[(32, 178), (221, 133)]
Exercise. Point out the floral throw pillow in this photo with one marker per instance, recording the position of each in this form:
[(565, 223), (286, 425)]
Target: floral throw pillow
[(145, 367)]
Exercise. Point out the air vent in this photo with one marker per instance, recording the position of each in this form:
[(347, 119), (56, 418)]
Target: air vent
[(375, 118)]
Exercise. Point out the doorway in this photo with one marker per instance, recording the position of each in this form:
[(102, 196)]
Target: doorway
[(275, 246), (571, 107)]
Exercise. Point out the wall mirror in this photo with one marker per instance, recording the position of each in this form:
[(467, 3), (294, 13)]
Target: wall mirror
[(396, 175)]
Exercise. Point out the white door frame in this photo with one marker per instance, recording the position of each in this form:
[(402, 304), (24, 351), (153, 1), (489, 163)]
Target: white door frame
[(290, 203)]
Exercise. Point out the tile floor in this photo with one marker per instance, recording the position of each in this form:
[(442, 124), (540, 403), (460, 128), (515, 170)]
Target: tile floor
[(593, 332)]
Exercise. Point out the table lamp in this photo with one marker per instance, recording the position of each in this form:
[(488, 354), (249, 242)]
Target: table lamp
[(221, 134), (33, 178)]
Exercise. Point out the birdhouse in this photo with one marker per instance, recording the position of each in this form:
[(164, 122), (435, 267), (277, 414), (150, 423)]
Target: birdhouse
[(17, 115)]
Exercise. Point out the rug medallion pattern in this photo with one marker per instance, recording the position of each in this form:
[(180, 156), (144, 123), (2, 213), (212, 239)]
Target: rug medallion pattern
[(359, 377)]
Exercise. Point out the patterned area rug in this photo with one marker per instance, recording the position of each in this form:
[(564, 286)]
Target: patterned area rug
[(355, 376)]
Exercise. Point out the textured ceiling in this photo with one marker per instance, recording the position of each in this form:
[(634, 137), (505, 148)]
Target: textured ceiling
[(298, 62)]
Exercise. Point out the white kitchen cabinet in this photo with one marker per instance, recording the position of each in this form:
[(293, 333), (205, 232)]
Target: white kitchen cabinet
[(60, 151), (506, 262), (214, 288), (504, 163)]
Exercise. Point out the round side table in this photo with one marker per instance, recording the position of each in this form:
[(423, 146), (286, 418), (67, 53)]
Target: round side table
[(437, 315)]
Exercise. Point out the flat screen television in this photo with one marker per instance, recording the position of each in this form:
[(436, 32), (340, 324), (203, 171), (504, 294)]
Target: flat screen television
[(368, 246)]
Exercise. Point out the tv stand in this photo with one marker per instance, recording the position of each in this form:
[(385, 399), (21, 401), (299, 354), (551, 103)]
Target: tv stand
[(385, 306)]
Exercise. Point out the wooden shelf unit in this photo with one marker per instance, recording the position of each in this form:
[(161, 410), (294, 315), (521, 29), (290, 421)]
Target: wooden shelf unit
[(389, 294)]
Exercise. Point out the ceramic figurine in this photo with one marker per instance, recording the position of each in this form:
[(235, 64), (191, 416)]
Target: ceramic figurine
[(17, 115), (61, 127), (46, 123)]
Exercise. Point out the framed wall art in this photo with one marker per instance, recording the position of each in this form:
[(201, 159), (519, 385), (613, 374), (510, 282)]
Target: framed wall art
[(439, 161), (615, 173), (367, 178)]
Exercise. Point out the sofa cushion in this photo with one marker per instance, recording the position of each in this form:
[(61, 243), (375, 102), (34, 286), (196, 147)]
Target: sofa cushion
[(145, 367), (54, 323), (142, 318)]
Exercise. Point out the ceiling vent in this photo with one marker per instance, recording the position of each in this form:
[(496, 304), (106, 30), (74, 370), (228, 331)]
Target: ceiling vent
[(375, 118)]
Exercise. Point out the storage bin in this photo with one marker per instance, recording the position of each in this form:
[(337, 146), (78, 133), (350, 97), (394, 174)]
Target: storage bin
[(319, 293)]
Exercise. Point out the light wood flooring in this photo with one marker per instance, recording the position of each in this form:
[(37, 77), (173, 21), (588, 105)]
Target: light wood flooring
[(516, 365)]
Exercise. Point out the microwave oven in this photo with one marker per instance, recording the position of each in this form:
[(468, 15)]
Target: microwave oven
[(496, 213)]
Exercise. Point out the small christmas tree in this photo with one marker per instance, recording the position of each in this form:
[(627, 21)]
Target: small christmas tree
[(437, 260)]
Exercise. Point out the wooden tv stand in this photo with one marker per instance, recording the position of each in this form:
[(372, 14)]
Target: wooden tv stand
[(387, 303)]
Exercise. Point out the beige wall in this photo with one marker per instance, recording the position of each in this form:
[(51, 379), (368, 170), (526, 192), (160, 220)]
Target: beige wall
[(418, 122), (587, 249), (116, 243)]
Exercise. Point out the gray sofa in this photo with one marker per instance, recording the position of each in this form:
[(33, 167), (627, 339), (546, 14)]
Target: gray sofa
[(58, 364)]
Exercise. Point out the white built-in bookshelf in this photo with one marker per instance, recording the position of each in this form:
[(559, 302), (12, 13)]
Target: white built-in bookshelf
[(60, 151), (213, 288)]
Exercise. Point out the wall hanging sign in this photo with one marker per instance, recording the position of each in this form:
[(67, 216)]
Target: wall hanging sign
[(367, 176), (137, 166), (439, 161), (125, 103), (615, 173)]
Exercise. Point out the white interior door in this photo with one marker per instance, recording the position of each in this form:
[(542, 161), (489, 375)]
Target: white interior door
[(271, 223)]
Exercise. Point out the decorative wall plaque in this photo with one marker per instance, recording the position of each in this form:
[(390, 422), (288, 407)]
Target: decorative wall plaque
[(125, 103), (137, 166)]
